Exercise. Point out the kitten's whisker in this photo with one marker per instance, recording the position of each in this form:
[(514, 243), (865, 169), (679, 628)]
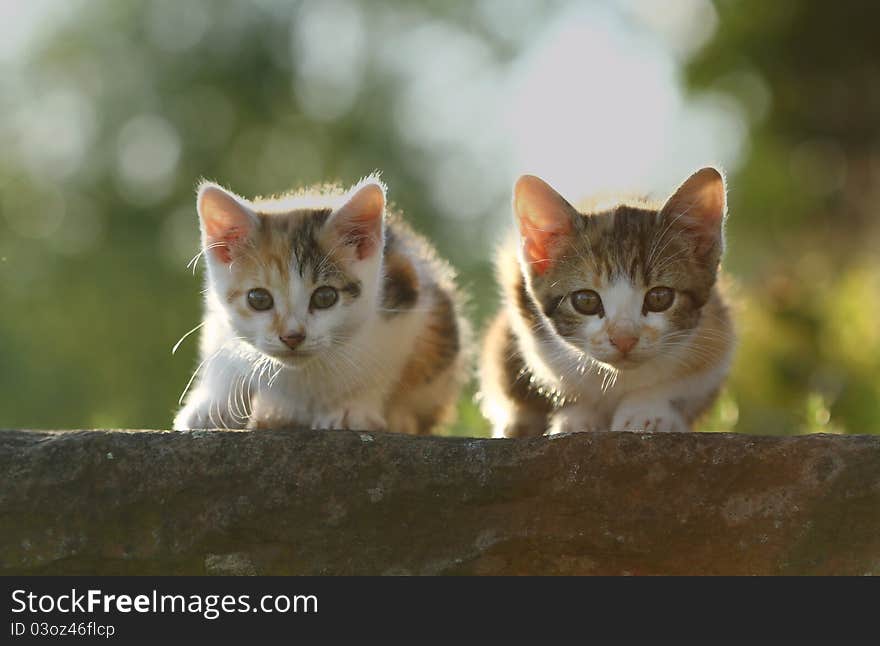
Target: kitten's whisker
[(665, 231), (180, 340), (192, 264), (668, 260), (660, 236), (201, 365)]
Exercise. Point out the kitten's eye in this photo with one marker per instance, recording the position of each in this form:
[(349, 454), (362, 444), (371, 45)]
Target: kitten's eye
[(587, 302), (324, 297), (260, 299), (659, 299)]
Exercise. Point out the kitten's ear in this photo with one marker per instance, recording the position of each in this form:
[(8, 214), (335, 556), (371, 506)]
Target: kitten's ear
[(225, 218), (545, 219), (698, 207), (358, 222)]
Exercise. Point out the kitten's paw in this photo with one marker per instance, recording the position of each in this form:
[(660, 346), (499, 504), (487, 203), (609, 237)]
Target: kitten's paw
[(404, 423), (521, 423), (519, 429), (263, 423), (203, 415), (575, 420), (653, 419), (351, 418)]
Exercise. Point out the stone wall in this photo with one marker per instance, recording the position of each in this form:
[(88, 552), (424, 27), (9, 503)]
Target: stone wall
[(306, 502)]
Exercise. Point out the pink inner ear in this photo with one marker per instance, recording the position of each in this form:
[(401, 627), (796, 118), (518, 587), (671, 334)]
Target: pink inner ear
[(225, 222), (221, 245), (544, 219), (363, 235), (539, 246), (358, 222), (698, 206)]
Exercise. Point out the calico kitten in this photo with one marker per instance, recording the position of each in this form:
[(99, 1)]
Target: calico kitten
[(612, 318), (322, 311)]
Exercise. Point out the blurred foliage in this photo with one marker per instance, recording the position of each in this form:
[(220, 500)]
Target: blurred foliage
[(803, 226), (109, 124)]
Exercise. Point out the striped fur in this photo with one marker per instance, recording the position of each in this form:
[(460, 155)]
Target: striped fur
[(547, 366)]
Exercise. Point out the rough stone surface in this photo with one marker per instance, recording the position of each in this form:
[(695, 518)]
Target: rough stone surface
[(311, 502)]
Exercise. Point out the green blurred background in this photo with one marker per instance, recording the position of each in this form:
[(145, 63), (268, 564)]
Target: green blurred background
[(111, 111)]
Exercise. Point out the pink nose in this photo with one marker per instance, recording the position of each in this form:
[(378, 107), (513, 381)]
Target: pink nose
[(293, 339), (623, 342)]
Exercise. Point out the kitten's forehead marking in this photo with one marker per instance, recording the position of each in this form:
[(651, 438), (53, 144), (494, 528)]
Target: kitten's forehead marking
[(292, 242), (621, 300), (629, 242), (306, 249)]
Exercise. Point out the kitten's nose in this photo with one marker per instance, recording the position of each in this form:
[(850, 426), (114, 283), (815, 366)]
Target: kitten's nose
[(623, 342), (293, 339)]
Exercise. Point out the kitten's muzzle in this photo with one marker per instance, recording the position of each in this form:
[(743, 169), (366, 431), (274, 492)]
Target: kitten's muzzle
[(293, 339), (623, 342)]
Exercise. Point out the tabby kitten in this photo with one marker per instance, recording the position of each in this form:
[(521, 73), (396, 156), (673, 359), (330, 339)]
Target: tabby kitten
[(612, 319), (322, 311)]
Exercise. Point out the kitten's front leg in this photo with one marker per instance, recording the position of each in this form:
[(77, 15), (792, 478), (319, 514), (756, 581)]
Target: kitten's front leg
[(577, 418), (202, 410), (277, 409), (219, 398), (648, 414), (356, 416), (523, 422)]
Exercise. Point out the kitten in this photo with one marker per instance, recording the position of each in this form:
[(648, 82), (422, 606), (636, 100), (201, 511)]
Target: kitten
[(321, 311), (612, 319)]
